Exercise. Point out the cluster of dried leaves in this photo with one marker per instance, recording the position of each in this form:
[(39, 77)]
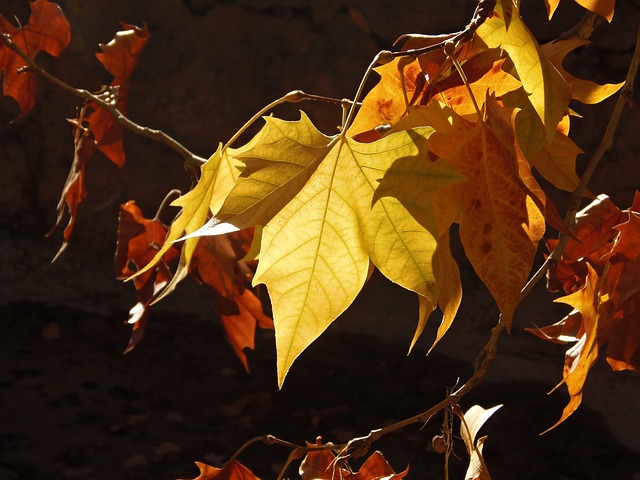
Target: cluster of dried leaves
[(443, 139)]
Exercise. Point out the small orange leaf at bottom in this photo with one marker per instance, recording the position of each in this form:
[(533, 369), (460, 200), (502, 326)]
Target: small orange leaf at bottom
[(232, 470)]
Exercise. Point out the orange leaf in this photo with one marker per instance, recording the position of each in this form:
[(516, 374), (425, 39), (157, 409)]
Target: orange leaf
[(500, 223), (594, 230), (622, 274), (120, 57), (215, 264), (74, 190), (138, 241), (47, 30), (567, 330), (387, 102), (321, 465), (601, 7), (581, 357), (485, 76), (233, 470)]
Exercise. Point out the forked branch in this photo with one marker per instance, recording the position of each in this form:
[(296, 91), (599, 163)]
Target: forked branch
[(191, 159)]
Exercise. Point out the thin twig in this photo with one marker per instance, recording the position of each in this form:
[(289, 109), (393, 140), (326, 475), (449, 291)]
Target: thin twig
[(165, 201), (585, 28), (482, 12), (271, 440), (191, 159)]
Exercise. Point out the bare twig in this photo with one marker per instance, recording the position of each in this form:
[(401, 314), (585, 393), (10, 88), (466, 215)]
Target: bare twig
[(482, 12), (585, 28), (165, 201), (191, 159)]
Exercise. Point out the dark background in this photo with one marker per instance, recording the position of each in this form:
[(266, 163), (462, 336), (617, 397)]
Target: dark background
[(71, 406)]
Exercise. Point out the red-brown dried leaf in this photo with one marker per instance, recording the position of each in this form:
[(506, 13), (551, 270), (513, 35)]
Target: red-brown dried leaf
[(47, 30), (594, 230), (215, 264), (139, 239), (233, 470), (594, 235), (601, 270), (321, 465), (120, 57), (623, 286), (74, 190), (567, 330)]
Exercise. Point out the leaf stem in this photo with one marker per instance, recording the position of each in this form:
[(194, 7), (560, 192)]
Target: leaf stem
[(165, 201), (191, 159)]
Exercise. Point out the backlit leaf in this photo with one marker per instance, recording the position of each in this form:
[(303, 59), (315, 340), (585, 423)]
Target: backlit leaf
[(548, 92), (604, 8), (215, 264), (215, 181), (360, 201), (485, 76), (387, 102), (139, 239), (47, 30), (581, 357), (470, 423), (321, 465), (120, 57), (233, 470), (600, 268), (74, 191), (500, 223), (556, 162), (584, 91)]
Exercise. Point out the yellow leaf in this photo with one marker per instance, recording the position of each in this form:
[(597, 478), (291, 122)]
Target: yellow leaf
[(551, 5), (340, 203), (446, 271), (277, 167), (581, 357), (584, 91), (548, 92), (557, 162), (530, 131), (603, 8)]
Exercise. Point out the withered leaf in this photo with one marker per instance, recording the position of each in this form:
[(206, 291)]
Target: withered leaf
[(47, 30)]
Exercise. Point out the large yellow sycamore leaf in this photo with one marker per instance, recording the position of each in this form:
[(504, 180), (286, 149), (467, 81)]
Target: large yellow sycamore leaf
[(278, 164), (548, 92), (340, 204)]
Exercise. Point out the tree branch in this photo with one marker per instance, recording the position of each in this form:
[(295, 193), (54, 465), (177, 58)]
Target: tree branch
[(191, 159)]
